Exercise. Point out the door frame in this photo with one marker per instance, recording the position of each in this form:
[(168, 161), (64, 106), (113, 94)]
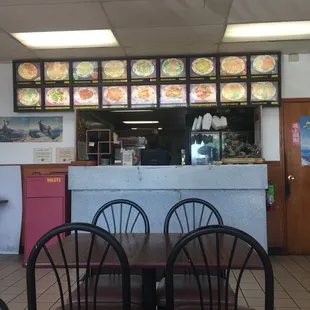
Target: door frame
[(283, 161)]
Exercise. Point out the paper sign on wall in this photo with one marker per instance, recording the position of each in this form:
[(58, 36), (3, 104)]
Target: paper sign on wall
[(295, 130), (42, 155), (65, 154)]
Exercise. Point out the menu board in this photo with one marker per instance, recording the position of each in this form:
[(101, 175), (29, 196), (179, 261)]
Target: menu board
[(264, 66), (203, 95), (173, 69), (173, 95), (114, 97), (85, 71), (143, 70), (233, 67), (28, 73), (56, 72), (194, 81), (264, 92), (114, 71), (57, 98), (85, 98), (202, 68), (144, 95), (29, 99), (233, 94)]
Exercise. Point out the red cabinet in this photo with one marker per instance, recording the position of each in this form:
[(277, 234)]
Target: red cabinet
[(45, 207)]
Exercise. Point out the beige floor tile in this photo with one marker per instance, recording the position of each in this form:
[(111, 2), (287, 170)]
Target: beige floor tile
[(250, 286), (256, 302), (253, 293), (302, 302), (17, 306), (21, 298), (48, 298), (7, 297), (299, 294), (282, 294), (284, 303)]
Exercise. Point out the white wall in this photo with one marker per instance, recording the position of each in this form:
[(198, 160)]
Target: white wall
[(295, 84), (22, 153)]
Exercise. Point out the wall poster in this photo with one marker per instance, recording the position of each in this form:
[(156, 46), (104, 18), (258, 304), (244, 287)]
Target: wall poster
[(42, 156), (31, 129), (305, 140)]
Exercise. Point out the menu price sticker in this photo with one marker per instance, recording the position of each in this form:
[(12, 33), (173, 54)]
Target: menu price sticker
[(42, 155)]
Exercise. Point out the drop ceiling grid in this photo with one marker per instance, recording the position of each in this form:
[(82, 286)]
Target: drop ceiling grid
[(146, 27)]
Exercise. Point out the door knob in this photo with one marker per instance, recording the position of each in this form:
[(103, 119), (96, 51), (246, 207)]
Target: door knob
[(290, 178)]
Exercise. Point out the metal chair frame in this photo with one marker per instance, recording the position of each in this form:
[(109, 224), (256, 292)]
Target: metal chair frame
[(122, 202), (219, 230), (192, 201), (96, 232)]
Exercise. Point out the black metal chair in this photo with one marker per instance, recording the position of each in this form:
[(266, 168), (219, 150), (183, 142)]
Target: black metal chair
[(191, 213), (71, 259), (3, 305), (218, 247), (121, 216)]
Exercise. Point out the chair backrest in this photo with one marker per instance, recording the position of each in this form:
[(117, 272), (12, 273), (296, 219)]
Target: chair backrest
[(122, 216), (71, 258), (191, 213), (3, 305), (217, 249)]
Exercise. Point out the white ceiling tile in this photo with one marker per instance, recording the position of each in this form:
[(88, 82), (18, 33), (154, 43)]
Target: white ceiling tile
[(80, 53), (245, 11), (167, 12), (171, 50), (285, 47), (77, 16), (10, 49), (170, 35)]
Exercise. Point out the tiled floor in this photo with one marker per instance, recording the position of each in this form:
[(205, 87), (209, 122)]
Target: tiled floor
[(292, 285)]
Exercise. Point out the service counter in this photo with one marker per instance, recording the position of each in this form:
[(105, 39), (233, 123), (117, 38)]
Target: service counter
[(237, 191)]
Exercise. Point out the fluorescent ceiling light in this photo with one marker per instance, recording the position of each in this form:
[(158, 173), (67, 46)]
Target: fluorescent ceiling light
[(134, 128), (66, 39), (129, 111), (267, 32), (160, 128), (140, 122)]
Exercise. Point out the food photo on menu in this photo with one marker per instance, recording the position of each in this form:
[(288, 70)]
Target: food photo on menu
[(85, 70), (173, 95), (233, 66), (233, 92), (203, 66), (202, 93), (28, 97), (57, 97), (145, 95), (114, 96), (85, 96), (114, 69), (143, 68), (56, 71), (173, 68), (264, 64), (28, 71), (264, 91)]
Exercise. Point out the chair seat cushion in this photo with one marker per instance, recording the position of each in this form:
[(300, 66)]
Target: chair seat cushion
[(186, 290), (109, 289)]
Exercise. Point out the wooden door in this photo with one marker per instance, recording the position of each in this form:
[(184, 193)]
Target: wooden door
[(297, 178)]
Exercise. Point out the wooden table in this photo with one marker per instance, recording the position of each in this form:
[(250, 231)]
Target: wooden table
[(149, 253)]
